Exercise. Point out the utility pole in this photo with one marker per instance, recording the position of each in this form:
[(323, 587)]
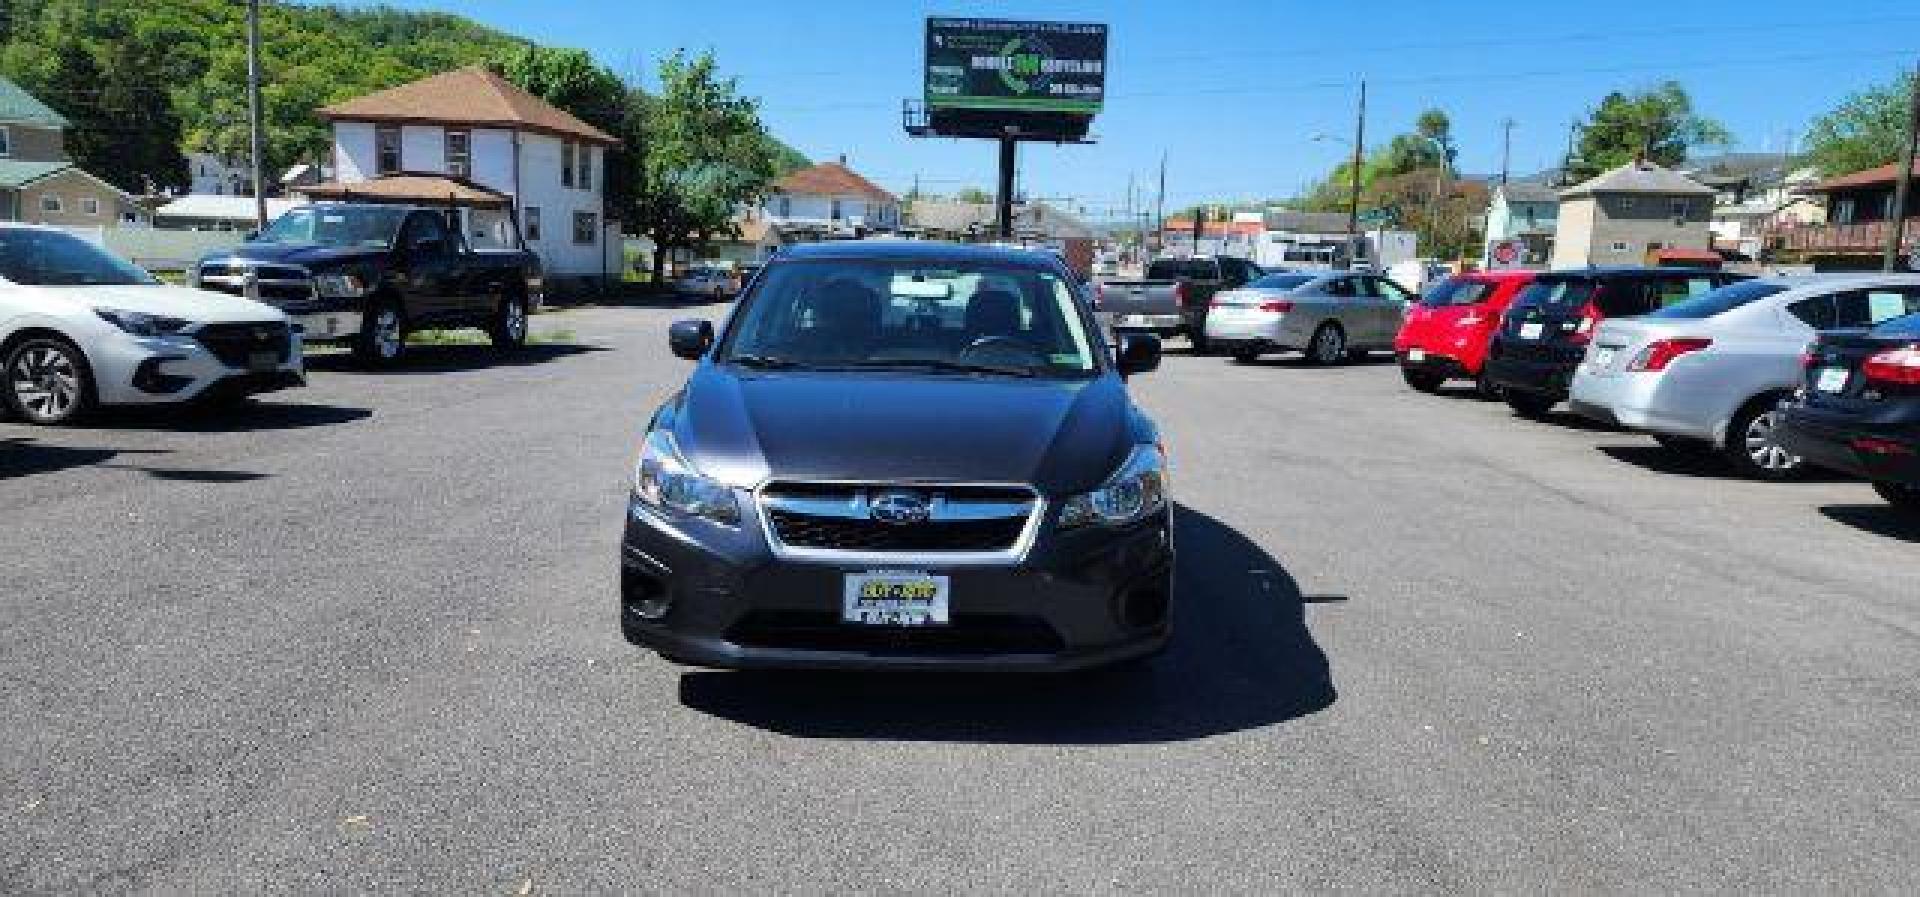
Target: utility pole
[(1903, 183), (1566, 161), (255, 138), (1506, 150), (1130, 218), (1160, 205), (1353, 177), (1004, 207)]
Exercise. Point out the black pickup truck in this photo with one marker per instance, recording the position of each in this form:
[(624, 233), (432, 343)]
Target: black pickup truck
[(366, 274)]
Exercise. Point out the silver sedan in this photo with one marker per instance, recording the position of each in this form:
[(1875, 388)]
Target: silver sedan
[(1330, 316), (1706, 374)]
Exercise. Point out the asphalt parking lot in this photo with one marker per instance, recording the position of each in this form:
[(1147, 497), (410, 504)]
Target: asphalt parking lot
[(361, 636)]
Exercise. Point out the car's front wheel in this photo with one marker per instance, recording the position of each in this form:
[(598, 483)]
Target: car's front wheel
[(48, 382), (509, 330), (1424, 381), (1902, 496), (383, 336), (1753, 444)]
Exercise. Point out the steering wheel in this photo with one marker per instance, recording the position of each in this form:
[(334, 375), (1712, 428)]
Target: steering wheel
[(1005, 346)]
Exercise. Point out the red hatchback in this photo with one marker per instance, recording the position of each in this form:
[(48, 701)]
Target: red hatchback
[(1445, 334)]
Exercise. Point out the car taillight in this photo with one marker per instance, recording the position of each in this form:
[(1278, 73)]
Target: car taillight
[(1810, 356), (1277, 305), (1660, 353), (1897, 366)]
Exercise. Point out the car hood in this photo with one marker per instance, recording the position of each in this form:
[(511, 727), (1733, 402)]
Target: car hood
[(308, 254), (1060, 436), (170, 301)]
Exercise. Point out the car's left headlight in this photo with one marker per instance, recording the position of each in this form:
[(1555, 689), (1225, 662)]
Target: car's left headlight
[(665, 481), (142, 324), (1135, 491), (340, 286)]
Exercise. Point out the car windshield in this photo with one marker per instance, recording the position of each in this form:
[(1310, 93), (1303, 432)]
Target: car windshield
[(983, 318), (1456, 291), (49, 258), (359, 227), (1724, 299), (1557, 294), (1907, 326), (1280, 281)]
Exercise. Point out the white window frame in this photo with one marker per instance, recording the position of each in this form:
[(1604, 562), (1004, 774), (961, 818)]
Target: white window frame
[(833, 210), (592, 222), (1618, 246), (583, 167), (530, 224), (1680, 206), (459, 165), (90, 205), (566, 163), (51, 202), (6, 141)]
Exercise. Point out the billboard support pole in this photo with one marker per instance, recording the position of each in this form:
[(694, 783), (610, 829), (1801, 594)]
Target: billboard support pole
[(1003, 212)]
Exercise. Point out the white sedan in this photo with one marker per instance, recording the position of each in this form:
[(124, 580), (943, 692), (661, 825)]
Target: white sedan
[(710, 282), (1707, 374), (80, 328)]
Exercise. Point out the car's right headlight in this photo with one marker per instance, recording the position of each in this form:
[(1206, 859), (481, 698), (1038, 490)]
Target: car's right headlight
[(1135, 491), (340, 286), (665, 481)]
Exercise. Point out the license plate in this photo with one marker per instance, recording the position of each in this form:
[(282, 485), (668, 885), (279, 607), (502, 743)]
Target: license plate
[(1131, 321), (262, 361), (1831, 379), (1603, 356), (1416, 355), (895, 598), (1532, 330)]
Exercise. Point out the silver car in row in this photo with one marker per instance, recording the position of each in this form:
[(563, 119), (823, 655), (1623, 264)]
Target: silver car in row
[(1707, 374), (1329, 316)]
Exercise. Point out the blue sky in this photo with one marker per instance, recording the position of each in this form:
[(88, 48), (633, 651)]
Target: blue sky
[(1233, 92)]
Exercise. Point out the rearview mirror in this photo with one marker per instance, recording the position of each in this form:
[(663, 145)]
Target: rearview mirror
[(690, 339), (1137, 353)]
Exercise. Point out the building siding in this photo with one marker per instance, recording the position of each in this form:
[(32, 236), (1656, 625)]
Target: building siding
[(72, 188)]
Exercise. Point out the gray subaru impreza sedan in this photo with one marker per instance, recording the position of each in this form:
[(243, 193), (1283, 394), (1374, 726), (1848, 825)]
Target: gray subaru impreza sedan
[(902, 455)]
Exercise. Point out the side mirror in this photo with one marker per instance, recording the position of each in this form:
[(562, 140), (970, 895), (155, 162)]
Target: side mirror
[(690, 339), (1137, 353)]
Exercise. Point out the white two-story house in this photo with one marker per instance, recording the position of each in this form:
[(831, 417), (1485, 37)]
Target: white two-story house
[(471, 136), (830, 199)]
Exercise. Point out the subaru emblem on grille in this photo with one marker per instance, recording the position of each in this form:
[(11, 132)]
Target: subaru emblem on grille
[(899, 508)]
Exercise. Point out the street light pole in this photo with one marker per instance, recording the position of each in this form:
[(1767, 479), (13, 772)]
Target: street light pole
[(255, 137), (1903, 183)]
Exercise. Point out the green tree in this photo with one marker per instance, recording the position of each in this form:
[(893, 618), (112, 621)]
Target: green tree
[(973, 195), (572, 81), (1864, 131), (1658, 123), (703, 153)]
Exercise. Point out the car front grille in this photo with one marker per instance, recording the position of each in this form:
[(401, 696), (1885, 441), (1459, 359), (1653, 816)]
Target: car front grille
[(283, 286), (840, 517), (234, 344)]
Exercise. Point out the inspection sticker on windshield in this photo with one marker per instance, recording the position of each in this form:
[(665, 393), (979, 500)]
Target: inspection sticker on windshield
[(1531, 330), (1831, 380), (895, 598)]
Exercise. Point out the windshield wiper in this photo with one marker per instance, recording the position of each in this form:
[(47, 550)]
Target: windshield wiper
[(764, 362), (937, 364)]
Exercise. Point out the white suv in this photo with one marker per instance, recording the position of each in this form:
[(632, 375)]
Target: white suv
[(80, 327)]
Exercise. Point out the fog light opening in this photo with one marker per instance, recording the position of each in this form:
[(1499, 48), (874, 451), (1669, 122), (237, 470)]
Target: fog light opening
[(644, 596), (1144, 606)]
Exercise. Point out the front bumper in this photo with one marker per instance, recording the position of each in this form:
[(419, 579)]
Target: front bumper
[(1832, 441), (136, 370), (1076, 600), (322, 326)]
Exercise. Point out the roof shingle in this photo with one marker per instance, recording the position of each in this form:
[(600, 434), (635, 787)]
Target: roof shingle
[(831, 179), (18, 106), (474, 95)]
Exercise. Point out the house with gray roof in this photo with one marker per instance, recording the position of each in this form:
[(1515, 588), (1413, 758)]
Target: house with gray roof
[(1637, 214), (1526, 212), (38, 183)]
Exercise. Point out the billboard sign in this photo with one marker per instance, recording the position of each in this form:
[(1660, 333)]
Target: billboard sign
[(1000, 65)]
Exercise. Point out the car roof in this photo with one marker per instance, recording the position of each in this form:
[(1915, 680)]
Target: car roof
[(1847, 278), (925, 251)]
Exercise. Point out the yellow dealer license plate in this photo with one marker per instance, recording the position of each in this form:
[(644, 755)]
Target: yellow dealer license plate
[(895, 598)]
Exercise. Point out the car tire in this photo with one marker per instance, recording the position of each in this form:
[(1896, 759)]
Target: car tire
[(1199, 342), (1530, 405), (509, 328), (1684, 445), (382, 341), (1422, 381), (1246, 356), (1753, 443), (47, 382), (1901, 496), (1328, 346), (1486, 389)]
